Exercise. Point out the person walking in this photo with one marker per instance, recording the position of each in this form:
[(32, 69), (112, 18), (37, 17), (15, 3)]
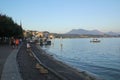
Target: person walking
[(12, 42), (17, 42)]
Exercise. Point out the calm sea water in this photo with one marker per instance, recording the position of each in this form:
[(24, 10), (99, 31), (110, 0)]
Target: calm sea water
[(101, 59)]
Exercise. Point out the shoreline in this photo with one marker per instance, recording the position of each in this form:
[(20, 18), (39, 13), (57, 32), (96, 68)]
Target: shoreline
[(71, 66), (82, 73)]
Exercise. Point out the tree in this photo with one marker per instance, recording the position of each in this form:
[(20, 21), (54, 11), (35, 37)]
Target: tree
[(8, 28)]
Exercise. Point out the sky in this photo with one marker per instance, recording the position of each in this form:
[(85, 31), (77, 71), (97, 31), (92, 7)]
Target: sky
[(61, 16)]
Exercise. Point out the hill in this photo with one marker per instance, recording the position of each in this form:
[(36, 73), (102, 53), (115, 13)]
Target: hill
[(91, 32)]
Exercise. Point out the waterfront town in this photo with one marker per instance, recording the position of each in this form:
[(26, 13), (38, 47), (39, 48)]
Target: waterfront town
[(20, 59), (59, 39)]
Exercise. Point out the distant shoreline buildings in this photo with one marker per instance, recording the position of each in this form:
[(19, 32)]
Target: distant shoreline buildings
[(42, 34), (37, 34)]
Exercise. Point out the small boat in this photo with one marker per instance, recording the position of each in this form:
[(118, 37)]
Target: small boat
[(95, 40), (48, 42)]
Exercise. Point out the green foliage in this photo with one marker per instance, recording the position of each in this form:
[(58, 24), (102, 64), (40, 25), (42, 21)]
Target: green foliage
[(8, 28)]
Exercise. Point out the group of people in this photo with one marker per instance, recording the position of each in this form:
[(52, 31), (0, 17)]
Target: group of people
[(14, 42)]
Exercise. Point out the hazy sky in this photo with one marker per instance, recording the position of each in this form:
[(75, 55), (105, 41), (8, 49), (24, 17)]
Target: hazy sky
[(63, 15)]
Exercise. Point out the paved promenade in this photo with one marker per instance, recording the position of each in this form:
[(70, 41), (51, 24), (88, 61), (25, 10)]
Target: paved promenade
[(9, 67), (19, 64), (5, 51)]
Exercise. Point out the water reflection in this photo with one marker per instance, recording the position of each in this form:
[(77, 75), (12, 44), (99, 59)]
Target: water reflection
[(102, 59), (61, 47), (47, 46)]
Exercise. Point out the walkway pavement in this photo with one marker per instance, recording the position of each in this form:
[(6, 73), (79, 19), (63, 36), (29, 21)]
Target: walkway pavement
[(64, 72), (5, 51), (10, 70)]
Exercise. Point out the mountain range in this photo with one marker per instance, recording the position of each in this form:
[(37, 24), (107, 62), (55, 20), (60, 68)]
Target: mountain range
[(91, 32)]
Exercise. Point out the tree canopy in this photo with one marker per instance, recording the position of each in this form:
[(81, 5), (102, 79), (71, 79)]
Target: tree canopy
[(8, 28)]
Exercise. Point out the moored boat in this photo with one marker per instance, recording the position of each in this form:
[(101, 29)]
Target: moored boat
[(95, 40)]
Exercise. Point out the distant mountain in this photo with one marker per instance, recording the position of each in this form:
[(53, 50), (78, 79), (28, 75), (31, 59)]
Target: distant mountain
[(112, 33), (90, 32), (85, 32), (96, 32)]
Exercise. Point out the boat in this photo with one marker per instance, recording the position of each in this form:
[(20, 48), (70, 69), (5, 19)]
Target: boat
[(95, 40), (48, 42)]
